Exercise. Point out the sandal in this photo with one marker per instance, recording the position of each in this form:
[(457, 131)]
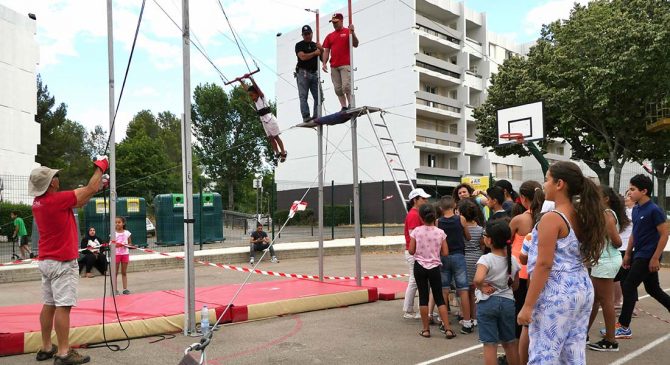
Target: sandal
[(425, 333), (449, 334), (282, 156)]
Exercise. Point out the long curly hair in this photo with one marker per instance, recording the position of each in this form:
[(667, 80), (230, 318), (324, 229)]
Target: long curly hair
[(591, 230), (617, 205)]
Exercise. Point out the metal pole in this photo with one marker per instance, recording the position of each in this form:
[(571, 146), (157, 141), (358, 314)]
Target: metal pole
[(202, 201), (189, 275), (320, 132), (383, 217), (332, 209), (112, 143), (354, 160), (272, 205)]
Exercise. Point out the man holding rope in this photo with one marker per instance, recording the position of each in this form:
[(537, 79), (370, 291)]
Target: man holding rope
[(58, 254)]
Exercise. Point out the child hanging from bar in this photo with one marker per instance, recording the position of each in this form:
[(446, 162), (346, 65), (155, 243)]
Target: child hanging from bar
[(267, 118)]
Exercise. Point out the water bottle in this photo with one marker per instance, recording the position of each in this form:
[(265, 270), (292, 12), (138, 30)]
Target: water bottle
[(204, 320)]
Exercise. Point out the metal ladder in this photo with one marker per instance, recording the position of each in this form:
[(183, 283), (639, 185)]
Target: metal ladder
[(396, 167)]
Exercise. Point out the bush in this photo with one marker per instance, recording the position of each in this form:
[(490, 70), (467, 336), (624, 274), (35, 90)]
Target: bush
[(6, 224), (309, 217)]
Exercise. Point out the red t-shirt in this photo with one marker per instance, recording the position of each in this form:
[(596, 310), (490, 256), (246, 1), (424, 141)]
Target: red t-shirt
[(411, 221), (338, 42), (57, 227)]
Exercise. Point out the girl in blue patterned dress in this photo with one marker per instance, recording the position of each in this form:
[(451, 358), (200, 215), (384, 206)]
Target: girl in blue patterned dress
[(560, 294)]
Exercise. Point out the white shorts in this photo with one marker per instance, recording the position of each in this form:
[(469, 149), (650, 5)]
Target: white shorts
[(59, 282), (271, 127)]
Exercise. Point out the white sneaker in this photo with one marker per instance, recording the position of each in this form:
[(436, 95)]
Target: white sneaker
[(274, 259), (410, 315), (474, 323)]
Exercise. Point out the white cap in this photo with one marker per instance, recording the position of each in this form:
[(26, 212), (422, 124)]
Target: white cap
[(417, 192)]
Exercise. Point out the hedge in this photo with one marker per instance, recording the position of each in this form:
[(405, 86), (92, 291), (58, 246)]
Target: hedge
[(6, 223), (308, 217)]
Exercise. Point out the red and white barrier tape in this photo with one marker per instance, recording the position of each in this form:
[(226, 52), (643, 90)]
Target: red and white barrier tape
[(19, 262), (273, 273)]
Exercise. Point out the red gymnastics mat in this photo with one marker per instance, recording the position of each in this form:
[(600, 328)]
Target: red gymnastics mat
[(152, 313)]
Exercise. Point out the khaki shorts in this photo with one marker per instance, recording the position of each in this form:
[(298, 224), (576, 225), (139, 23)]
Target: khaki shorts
[(59, 282), (341, 77)]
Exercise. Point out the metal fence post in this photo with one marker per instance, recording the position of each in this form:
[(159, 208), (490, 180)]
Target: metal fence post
[(332, 209), (360, 206), (383, 216)]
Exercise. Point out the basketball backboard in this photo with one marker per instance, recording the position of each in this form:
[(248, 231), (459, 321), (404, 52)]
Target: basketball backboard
[(527, 119)]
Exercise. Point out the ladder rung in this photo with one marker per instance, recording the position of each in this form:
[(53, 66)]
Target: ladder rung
[(398, 169), (381, 125), (392, 153), (404, 184), (385, 139)]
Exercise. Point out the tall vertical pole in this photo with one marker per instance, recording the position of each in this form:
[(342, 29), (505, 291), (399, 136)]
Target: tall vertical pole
[(320, 150), (383, 210), (354, 161), (189, 275), (112, 143)]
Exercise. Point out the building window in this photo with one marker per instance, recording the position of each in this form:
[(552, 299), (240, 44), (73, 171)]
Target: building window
[(453, 128), (453, 163), (432, 160), (492, 50), (430, 89), (508, 54), (503, 171)]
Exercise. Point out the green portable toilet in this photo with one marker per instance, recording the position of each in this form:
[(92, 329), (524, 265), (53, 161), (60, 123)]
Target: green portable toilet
[(212, 217), (170, 219), (96, 215), (135, 212)]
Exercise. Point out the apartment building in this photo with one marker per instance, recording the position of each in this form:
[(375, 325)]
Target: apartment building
[(20, 135), (428, 63)]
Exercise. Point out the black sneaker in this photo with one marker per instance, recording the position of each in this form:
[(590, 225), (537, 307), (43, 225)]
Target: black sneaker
[(466, 330), (442, 329), (46, 355), (604, 346), (502, 360), (72, 358)]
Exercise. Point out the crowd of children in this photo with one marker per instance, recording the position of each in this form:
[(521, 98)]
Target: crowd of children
[(532, 278)]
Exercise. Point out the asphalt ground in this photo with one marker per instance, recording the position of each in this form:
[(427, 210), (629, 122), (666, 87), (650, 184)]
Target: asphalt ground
[(372, 333)]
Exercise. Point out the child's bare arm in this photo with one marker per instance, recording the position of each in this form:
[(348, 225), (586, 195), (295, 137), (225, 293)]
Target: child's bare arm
[(258, 89)]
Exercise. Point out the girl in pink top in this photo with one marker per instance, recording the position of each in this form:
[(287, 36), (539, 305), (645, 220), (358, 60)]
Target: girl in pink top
[(427, 243)]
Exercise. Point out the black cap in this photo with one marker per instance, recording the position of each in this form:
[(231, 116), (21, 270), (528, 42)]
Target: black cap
[(306, 29)]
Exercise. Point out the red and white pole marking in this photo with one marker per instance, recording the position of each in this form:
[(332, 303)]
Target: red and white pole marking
[(272, 273)]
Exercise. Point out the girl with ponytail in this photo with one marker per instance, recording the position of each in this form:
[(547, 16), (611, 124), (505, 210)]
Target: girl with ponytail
[(531, 199), (496, 277), (560, 294)]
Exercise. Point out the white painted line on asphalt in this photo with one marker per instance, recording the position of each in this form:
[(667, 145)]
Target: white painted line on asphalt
[(450, 355), (620, 361), (641, 350)]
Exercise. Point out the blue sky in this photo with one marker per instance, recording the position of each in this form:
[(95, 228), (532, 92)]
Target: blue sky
[(73, 45)]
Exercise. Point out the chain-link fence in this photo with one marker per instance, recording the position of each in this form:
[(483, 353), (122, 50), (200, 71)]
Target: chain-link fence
[(14, 189)]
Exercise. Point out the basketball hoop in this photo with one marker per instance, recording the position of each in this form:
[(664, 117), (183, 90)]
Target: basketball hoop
[(518, 137)]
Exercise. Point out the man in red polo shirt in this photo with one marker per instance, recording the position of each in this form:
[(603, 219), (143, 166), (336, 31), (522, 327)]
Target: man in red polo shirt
[(336, 47), (58, 253)]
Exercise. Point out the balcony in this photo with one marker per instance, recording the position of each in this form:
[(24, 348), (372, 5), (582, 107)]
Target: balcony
[(436, 106), (474, 149), (436, 171), (436, 144), (438, 65), (474, 81), (437, 76), (438, 37), (474, 47)]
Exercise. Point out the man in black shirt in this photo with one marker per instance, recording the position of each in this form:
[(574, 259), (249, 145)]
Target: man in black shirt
[(260, 241), (306, 72)]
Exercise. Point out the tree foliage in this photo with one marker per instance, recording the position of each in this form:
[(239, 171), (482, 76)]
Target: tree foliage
[(62, 141), (595, 72), (231, 143)]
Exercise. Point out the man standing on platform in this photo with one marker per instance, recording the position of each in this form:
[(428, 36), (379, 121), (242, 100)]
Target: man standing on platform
[(58, 253), (337, 43), (306, 73)]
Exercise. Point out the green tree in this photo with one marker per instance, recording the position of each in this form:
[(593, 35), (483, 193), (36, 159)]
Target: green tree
[(231, 143), (595, 73), (62, 140), (96, 141), (141, 164)]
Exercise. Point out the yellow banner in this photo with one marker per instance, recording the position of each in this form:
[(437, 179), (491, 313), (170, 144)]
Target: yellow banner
[(477, 182)]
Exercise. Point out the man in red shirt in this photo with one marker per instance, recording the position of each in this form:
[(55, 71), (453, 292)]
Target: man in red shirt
[(58, 253), (337, 43)]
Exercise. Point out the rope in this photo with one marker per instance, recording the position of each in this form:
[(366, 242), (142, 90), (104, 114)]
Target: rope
[(232, 31)]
